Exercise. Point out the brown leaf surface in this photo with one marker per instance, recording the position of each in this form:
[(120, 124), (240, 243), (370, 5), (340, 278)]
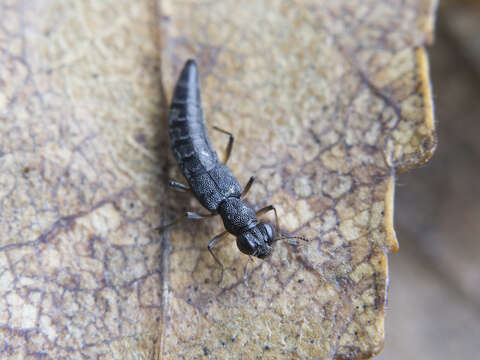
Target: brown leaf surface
[(326, 99)]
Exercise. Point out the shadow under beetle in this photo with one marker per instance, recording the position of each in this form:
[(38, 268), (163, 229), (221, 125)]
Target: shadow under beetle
[(210, 180)]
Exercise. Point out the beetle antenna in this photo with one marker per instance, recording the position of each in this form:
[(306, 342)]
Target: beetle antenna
[(303, 238)]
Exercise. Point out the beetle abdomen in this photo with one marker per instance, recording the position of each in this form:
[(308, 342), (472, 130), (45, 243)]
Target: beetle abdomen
[(210, 180), (190, 144)]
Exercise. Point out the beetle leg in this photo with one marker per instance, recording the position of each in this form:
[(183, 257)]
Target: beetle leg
[(178, 186), (248, 186), (187, 215), (196, 216), (211, 244), (266, 209), (229, 146), (245, 270)]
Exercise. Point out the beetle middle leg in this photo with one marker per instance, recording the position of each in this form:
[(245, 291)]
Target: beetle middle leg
[(211, 244), (188, 215), (178, 186), (230, 143), (248, 186)]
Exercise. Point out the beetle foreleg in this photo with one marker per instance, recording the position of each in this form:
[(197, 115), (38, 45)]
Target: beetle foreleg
[(211, 244), (266, 209)]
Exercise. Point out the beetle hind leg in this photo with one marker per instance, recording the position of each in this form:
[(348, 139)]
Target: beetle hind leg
[(230, 143)]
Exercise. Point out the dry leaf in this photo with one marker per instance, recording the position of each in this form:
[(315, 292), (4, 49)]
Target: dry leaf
[(326, 100)]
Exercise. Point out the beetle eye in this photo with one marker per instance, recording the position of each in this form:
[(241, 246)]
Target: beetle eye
[(269, 231), (245, 245)]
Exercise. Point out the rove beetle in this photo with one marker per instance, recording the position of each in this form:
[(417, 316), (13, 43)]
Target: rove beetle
[(210, 180)]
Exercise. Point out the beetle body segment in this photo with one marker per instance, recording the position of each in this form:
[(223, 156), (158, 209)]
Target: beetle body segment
[(210, 180)]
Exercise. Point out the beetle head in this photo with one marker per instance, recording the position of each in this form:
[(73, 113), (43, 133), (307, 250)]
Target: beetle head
[(256, 241)]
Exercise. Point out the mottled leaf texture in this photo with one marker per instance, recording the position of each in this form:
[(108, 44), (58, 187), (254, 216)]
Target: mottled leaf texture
[(327, 100)]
